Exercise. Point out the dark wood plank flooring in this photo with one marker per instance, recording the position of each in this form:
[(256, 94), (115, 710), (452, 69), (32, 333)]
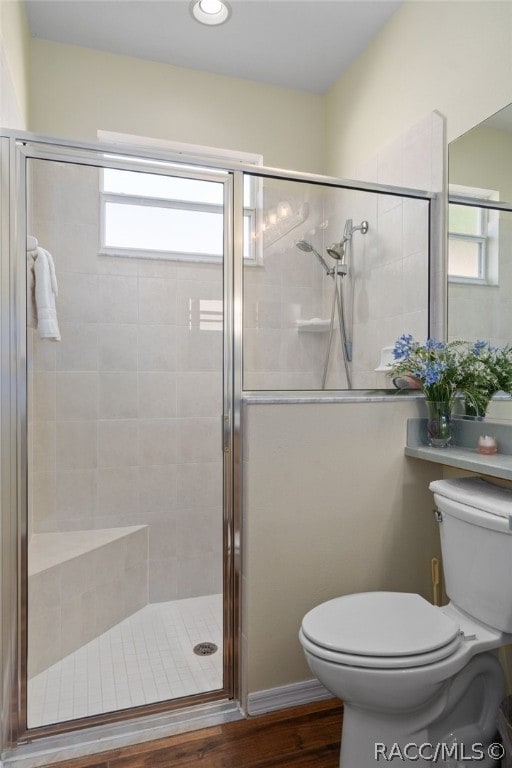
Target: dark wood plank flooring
[(302, 737)]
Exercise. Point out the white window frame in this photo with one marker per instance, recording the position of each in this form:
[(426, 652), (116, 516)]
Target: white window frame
[(487, 249), (206, 153)]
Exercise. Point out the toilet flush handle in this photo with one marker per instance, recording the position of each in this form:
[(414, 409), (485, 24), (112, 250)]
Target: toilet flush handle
[(438, 516)]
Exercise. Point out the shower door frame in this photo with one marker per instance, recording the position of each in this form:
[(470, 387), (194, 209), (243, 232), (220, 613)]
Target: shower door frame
[(16, 149)]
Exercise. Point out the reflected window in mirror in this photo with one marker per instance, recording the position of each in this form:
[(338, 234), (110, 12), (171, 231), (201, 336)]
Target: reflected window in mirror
[(482, 159), (473, 236)]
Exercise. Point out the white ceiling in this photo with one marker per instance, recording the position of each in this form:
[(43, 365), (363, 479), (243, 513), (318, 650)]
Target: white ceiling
[(301, 44)]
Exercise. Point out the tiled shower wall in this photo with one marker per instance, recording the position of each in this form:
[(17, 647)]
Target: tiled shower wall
[(416, 160), (385, 292), (283, 288), (388, 287), (125, 410)]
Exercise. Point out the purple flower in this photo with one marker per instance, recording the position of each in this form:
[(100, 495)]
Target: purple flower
[(433, 344), (478, 347), (403, 346)]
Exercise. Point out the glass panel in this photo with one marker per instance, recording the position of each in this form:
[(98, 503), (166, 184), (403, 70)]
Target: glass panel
[(125, 462), (464, 258), (163, 229), (312, 244)]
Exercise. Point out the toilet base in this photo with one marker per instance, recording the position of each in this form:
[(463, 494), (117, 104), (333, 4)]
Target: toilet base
[(370, 739), (455, 728)]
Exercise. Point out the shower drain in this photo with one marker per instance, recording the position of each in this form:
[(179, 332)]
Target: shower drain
[(205, 649)]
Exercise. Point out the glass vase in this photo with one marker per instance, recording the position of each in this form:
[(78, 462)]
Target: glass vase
[(477, 413), (439, 423)]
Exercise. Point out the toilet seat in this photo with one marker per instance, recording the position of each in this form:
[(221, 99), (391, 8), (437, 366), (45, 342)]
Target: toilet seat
[(382, 630), (380, 662)]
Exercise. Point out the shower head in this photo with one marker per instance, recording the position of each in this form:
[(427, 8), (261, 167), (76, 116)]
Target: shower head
[(337, 250), (306, 247)]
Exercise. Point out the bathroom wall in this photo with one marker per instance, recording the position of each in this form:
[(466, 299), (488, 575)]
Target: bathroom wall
[(76, 91), (331, 506), (447, 55), (398, 279), (283, 289), (387, 284), (125, 409), (14, 65)]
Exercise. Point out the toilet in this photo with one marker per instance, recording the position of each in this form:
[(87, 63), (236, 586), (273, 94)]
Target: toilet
[(421, 685)]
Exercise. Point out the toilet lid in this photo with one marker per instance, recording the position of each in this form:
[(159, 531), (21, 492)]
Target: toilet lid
[(379, 624)]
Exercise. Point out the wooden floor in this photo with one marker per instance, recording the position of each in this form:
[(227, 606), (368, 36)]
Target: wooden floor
[(303, 737)]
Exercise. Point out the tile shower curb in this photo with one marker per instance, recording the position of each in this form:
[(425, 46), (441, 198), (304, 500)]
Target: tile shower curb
[(92, 741)]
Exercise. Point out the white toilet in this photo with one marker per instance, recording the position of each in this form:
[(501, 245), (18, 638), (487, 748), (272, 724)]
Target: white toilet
[(411, 674)]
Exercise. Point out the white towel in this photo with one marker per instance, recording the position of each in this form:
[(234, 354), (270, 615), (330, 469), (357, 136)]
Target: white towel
[(31, 290), (45, 292)]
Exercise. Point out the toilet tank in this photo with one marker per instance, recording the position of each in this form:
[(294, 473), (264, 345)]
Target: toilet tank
[(476, 546)]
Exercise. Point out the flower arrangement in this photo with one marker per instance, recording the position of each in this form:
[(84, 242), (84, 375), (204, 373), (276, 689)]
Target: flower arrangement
[(490, 368), (475, 370), (434, 365)]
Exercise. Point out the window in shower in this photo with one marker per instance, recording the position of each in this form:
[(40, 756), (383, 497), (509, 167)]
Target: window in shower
[(146, 215)]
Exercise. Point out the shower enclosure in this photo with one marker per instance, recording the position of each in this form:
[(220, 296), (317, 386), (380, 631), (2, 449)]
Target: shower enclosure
[(125, 439), (181, 283)]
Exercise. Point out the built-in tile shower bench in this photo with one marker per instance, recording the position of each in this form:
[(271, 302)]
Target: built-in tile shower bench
[(81, 583), (463, 453)]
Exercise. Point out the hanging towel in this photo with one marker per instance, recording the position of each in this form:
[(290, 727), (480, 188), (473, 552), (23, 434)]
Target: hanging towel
[(45, 292), (31, 282)]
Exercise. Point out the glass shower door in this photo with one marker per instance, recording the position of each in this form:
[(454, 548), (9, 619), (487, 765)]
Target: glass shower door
[(126, 567)]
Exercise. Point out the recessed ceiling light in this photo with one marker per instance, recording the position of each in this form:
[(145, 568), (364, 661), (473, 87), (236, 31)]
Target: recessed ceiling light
[(210, 11)]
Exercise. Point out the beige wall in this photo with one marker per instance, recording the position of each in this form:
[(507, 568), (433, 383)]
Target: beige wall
[(438, 54), (331, 506), (451, 55), (76, 91), (14, 64)]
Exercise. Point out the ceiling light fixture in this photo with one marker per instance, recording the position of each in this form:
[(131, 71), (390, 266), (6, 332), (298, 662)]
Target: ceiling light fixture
[(211, 12)]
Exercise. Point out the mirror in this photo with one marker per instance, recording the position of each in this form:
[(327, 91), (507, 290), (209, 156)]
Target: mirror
[(480, 236)]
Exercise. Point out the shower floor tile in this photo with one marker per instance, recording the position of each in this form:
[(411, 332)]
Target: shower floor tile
[(148, 657)]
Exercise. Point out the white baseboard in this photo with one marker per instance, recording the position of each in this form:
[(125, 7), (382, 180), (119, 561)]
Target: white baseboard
[(284, 696)]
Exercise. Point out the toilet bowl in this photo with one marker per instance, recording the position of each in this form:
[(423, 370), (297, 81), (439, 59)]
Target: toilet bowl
[(411, 674), (400, 686)]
